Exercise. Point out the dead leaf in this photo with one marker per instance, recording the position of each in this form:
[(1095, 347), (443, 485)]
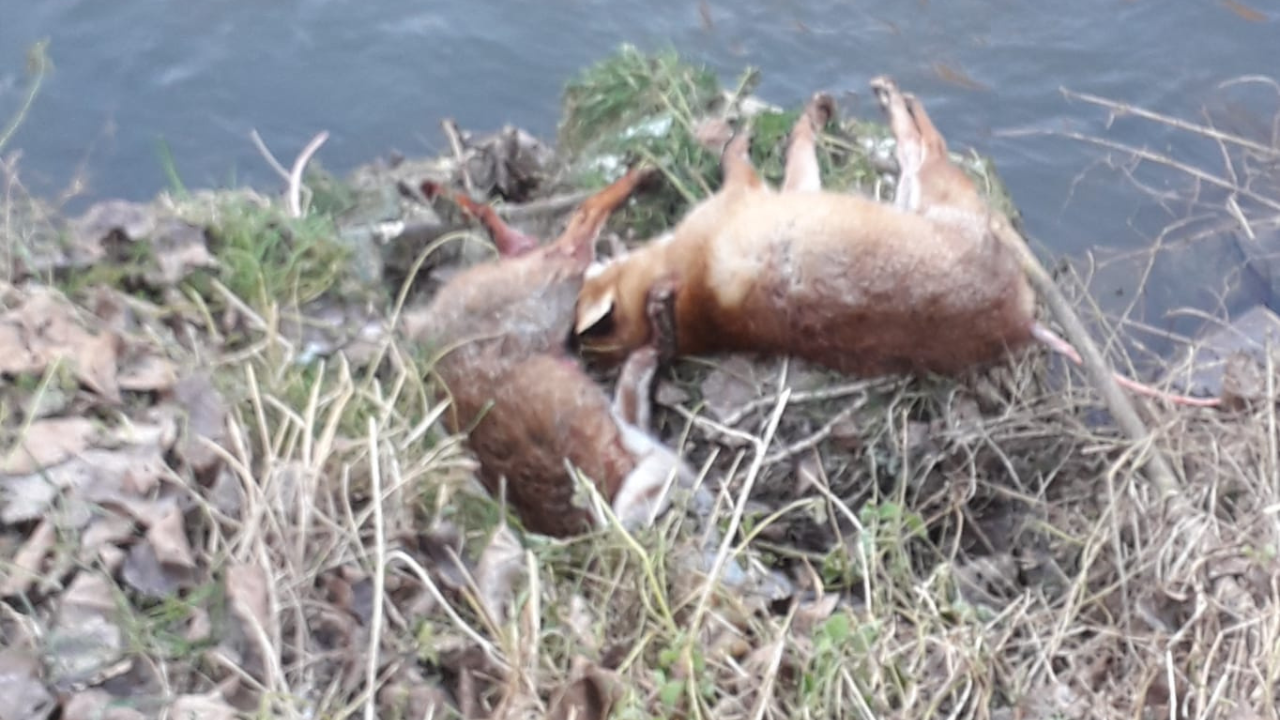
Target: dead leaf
[(89, 591), (48, 442), (95, 704), (247, 589), (225, 494), (201, 707), (582, 622), (500, 566), (669, 394), (248, 593), (111, 218), (199, 626), (206, 418), (144, 572), (25, 498), (409, 695), (85, 645), (179, 249), (990, 581), (46, 329), (22, 695), (148, 373), (810, 613), (168, 538), (442, 546), (1244, 381), (733, 383), (104, 531), (474, 673), (105, 477), (24, 568), (590, 695)]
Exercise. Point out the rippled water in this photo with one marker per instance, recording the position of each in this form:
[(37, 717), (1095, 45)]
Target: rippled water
[(380, 76)]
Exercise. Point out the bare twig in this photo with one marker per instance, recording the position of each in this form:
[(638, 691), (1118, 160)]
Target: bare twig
[(38, 65), (1127, 109), (267, 155), (1155, 157), (753, 472), (295, 174), (1159, 471), (545, 206), (812, 440), (379, 572), (459, 152)]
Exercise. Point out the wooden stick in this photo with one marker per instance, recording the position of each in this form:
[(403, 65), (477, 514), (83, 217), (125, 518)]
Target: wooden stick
[(1158, 469)]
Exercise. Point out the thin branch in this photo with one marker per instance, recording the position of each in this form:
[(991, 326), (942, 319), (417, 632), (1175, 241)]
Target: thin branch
[(299, 165), (1152, 156), (812, 440), (1159, 471), (267, 155), (1127, 109), (459, 152)]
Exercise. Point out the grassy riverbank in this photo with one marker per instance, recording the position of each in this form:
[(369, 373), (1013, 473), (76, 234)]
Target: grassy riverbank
[(224, 491)]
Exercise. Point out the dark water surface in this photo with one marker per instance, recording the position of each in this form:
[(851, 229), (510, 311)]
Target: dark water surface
[(380, 76)]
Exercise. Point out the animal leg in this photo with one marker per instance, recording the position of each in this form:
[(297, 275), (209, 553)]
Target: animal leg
[(910, 149), (735, 152), (802, 173), (579, 236), (660, 309), (510, 242), (645, 491), (632, 398), (935, 146)]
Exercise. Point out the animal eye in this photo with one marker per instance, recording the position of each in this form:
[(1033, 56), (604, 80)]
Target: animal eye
[(601, 328)]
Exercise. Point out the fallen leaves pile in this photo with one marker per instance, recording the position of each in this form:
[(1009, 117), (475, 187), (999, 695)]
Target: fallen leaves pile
[(158, 557)]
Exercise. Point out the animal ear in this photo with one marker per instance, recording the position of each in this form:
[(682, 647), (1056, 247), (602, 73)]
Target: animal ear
[(594, 312)]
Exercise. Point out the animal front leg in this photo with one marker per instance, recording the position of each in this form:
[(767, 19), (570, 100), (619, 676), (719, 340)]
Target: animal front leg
[(802, 172), (510, 241), (635, 382), (660, 310), (909, 148), (632, 397), (579, 236)]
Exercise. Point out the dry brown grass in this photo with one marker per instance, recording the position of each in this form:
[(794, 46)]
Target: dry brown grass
[(975, 549)]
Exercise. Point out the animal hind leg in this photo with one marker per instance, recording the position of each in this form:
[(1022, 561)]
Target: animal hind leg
[(510, 241), (579, 236), (802, 172), (935, 146), (632, 397), (910, 148), (717, 135)]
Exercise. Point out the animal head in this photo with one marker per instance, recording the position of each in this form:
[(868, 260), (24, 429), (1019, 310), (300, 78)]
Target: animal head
[(610, 319)]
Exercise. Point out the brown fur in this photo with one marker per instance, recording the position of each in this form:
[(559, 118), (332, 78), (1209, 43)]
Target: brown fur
[(528, 409), (853, 284)]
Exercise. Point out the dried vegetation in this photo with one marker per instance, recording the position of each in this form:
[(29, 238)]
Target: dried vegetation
[(224, 491)]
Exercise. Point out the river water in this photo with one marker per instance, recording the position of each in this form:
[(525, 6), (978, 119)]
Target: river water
[(379, 76)]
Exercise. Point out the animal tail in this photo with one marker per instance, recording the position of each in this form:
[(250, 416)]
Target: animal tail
[(1062, 347), (510, 241)]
